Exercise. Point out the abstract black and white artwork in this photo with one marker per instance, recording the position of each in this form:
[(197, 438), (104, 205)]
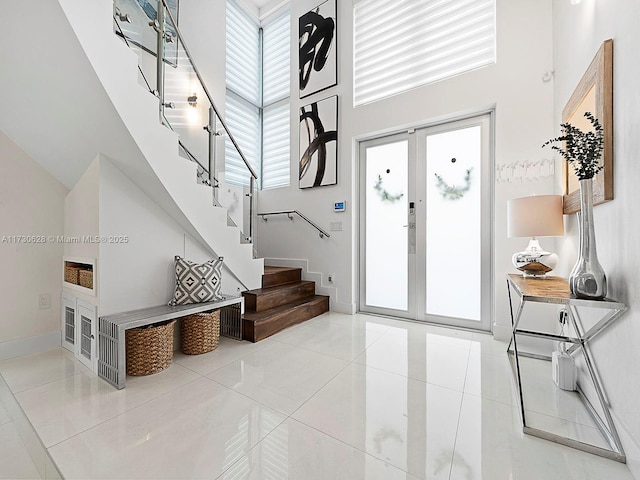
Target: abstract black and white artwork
[(317, 60), (141, 34), (319, 143)]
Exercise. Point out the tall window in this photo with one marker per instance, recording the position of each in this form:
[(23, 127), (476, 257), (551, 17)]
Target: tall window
[(257, 101), (276, 89), (403, 44)]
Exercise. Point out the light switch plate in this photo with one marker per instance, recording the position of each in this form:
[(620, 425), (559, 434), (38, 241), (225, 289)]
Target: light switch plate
[(335, 226)]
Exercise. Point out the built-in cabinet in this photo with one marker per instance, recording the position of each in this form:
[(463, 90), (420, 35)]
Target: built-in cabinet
[(80, 316), (79, 329)]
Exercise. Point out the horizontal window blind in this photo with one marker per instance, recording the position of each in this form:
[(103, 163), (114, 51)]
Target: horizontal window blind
[(276, 87), (243, 120), (403, 44), (243, 54), (276, 59), (275, 154), (258, 75)]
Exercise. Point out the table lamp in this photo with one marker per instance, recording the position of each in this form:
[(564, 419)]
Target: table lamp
[(535, 216)]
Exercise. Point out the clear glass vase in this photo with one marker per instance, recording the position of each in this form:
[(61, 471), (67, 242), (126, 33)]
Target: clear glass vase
[(587, 279)]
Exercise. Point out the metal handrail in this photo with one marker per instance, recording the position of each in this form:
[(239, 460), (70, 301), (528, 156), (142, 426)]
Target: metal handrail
[(191, 156), (206, 91), (289, 214)]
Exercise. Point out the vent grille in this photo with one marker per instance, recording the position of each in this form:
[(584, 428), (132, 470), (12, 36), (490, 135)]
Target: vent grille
[(70, 325), (85, 337)]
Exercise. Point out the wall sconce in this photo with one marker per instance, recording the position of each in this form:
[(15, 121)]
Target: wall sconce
[(193, 100)]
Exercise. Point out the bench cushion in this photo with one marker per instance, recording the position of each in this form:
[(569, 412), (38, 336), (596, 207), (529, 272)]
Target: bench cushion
[(197, 283)]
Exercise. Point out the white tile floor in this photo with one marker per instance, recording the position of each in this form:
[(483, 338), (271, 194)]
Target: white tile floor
[(338, 397)]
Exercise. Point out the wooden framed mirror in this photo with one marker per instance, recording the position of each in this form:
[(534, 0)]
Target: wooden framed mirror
[(594, 94)]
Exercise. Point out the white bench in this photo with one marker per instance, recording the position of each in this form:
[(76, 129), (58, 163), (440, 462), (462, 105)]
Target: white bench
[(112, 359)]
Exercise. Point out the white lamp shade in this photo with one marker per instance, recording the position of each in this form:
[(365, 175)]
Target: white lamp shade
[(535, 216)]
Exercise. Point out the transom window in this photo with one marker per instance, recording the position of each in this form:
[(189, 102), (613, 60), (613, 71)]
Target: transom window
[(403, 44)]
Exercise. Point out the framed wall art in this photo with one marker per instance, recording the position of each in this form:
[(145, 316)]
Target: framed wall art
[(317, 59), (594, 94), (318, 165)]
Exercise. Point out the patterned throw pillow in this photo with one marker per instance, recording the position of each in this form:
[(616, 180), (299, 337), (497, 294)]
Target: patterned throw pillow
[(197, 283)]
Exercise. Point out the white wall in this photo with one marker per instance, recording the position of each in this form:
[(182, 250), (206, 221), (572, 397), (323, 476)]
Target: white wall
[(31, 203), (135, 272), (139, 273), (524, 114), (578, 32), (81, 213)]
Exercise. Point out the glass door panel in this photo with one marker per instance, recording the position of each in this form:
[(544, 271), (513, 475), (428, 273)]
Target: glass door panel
[(386, 184), (453, 221), (425, 224)]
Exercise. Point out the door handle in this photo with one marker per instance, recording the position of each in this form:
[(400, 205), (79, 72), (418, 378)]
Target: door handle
[(410, 226)]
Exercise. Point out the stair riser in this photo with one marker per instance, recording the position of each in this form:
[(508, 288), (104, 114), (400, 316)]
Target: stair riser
[(263, 302), (280, 278), (255, 332)]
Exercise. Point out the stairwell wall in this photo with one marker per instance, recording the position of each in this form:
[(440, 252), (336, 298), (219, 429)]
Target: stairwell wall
[(31, 204), (139, 272), (523, 106), (154, 165), (135, 266)]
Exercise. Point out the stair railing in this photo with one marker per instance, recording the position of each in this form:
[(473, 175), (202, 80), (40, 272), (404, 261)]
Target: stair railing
[(183, 98), (290, 214)]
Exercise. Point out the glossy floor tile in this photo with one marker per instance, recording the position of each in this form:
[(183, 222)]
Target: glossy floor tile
[(489, 376), (345, 397), (197, 431), (405, 422), (281, 376), (296, 452), (542, 395), (228, 351), (337, 339), (15, 462), (22, 455), (490, 445), (417, 356), (61, 409), (31, 371)]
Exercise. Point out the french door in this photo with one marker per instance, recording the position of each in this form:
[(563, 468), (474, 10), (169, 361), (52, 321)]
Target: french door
[(426, 226)]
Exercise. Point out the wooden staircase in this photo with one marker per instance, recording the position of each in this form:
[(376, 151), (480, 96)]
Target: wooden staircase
[(284, 300)]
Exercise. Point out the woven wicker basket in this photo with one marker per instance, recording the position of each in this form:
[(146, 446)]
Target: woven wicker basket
[(71, 274), (85, 278), (200, 332), (149, 349)]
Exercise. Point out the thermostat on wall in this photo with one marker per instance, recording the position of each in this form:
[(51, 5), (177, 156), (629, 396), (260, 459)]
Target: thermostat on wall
[(339, 206)]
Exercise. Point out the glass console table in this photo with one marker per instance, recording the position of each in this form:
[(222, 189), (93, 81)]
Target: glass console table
[(600, 313)]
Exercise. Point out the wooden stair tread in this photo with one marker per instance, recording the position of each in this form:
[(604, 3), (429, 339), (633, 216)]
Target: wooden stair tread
[(260, 325), (280, 275), (265, 298), (269, 270), (277, 288), (266, 315)]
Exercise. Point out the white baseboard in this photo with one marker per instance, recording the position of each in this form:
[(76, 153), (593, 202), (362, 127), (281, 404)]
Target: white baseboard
[(29, 345), (343, 307), (631, 446), (321, 287), (501, 332)]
